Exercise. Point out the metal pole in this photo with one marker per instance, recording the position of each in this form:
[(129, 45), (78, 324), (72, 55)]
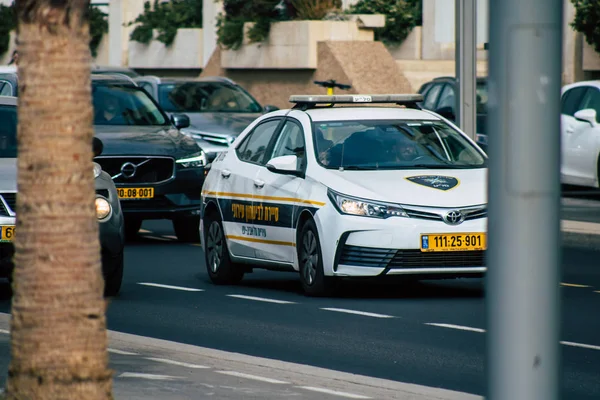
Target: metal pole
[(466, 65), (523, 302)]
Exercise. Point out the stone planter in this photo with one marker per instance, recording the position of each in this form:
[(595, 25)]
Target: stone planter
[(186, 51), (293, 44)]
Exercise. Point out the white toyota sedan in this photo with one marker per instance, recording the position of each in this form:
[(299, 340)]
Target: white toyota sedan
[(337, 187)]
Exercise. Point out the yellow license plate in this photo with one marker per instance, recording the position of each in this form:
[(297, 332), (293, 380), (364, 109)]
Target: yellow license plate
[(7, 233), (135, 193), (453, 242)]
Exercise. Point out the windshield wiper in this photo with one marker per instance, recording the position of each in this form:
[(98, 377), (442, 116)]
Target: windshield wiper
[(357, 168)]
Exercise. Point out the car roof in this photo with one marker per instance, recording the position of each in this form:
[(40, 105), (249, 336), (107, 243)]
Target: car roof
[(166, 80), (595, 83), (368, 113), (8, 101)]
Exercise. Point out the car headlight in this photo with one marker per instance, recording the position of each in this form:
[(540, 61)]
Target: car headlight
[(103, 208), (365, 208), (197, 160), (97, 170)]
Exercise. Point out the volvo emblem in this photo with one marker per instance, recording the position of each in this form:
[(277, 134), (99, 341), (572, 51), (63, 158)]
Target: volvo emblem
[(454, 217), (128, 169)]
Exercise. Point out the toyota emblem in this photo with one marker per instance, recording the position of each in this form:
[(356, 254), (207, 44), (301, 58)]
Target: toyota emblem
[(454, 217), (128, 169)]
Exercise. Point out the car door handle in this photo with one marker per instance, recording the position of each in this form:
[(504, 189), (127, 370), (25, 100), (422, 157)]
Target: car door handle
[(225, 173), (258, 183)]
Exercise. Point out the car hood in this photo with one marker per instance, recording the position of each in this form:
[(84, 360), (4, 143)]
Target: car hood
[(8, 174), (221, 124), (435, 188), (145, 140)]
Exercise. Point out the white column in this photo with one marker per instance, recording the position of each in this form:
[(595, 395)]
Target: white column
[(120, 13)]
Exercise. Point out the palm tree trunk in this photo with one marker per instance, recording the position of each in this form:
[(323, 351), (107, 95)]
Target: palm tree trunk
[(58, 326)]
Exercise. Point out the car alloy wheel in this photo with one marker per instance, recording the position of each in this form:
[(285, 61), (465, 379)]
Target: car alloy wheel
[(214, 246), (309, 257)]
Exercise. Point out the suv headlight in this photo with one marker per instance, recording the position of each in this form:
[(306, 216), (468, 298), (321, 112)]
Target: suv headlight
[(97, 170), (103, 208), (365, 208), (197, 160)]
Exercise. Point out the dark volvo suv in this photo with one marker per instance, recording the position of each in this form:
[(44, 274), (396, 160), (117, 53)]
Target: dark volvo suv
[(157, 170)]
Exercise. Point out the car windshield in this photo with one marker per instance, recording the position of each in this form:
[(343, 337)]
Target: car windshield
[(393, 144), (125, 105), (206, 97), (8, 131)]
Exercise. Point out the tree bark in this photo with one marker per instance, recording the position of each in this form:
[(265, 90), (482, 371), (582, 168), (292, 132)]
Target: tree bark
[(58, 325)]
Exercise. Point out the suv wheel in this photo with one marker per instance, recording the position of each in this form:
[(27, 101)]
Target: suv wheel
[(112, 282), (187, 229), (132, 227)]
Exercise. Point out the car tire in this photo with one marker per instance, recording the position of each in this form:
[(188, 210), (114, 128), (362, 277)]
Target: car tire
[(310, 259), (132, 227), (113, 281), (220, 268), (187, 229)]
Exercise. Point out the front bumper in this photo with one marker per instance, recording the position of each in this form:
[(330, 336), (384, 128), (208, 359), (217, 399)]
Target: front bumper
[(367, 247), (179, 197)]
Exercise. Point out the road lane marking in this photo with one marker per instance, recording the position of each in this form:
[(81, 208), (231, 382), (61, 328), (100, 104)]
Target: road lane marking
[(5, 331), (172, 362), (187, 289), (149, 376), (459, 327), (334, 392), (170, 237), (596, 291), (158, 238), (241, 296), (121, 352), (363, 313), (144, 231), (253, 377), (468, 328), (196, 244), (574, 285), (583, 346)]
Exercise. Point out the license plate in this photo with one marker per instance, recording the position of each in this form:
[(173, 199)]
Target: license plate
[(7, 233), (453, 242), (135, 193)]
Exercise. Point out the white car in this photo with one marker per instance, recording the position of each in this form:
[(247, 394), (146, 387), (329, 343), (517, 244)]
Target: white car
[(580, 134), (352, 191)]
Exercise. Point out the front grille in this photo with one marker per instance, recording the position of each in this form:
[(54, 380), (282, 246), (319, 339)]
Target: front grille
[(159, 202), (10, 199), (148, 170), (398, 259), (436, 214)]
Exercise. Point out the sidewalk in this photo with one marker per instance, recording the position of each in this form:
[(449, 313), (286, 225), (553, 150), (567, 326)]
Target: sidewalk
[(147, 368)]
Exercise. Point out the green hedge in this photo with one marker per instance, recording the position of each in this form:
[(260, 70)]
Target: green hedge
[(166, 18), (8, 23), (400, 17), (587, 21)]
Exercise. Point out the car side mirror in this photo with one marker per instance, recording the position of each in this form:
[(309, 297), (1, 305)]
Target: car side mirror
[(586, 115), (269, 107), (285, 165), (97, 146), (180, 120), (446, 112)]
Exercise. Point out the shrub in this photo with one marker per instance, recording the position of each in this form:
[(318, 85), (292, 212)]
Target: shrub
[(8, 23), (400, 17), (586, 21), (166, 18), (314, 9)]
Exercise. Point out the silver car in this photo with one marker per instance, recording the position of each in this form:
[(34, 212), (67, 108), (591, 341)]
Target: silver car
[(108, 208)]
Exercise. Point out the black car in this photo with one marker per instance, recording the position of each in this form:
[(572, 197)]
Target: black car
[(440, 94), (219, 109), (157, 170), (108, 208)]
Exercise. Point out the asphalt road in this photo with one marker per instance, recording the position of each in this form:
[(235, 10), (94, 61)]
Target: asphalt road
[(380, 331)]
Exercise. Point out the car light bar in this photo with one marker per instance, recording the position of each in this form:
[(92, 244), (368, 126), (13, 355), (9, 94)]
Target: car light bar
[(309, 101)]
